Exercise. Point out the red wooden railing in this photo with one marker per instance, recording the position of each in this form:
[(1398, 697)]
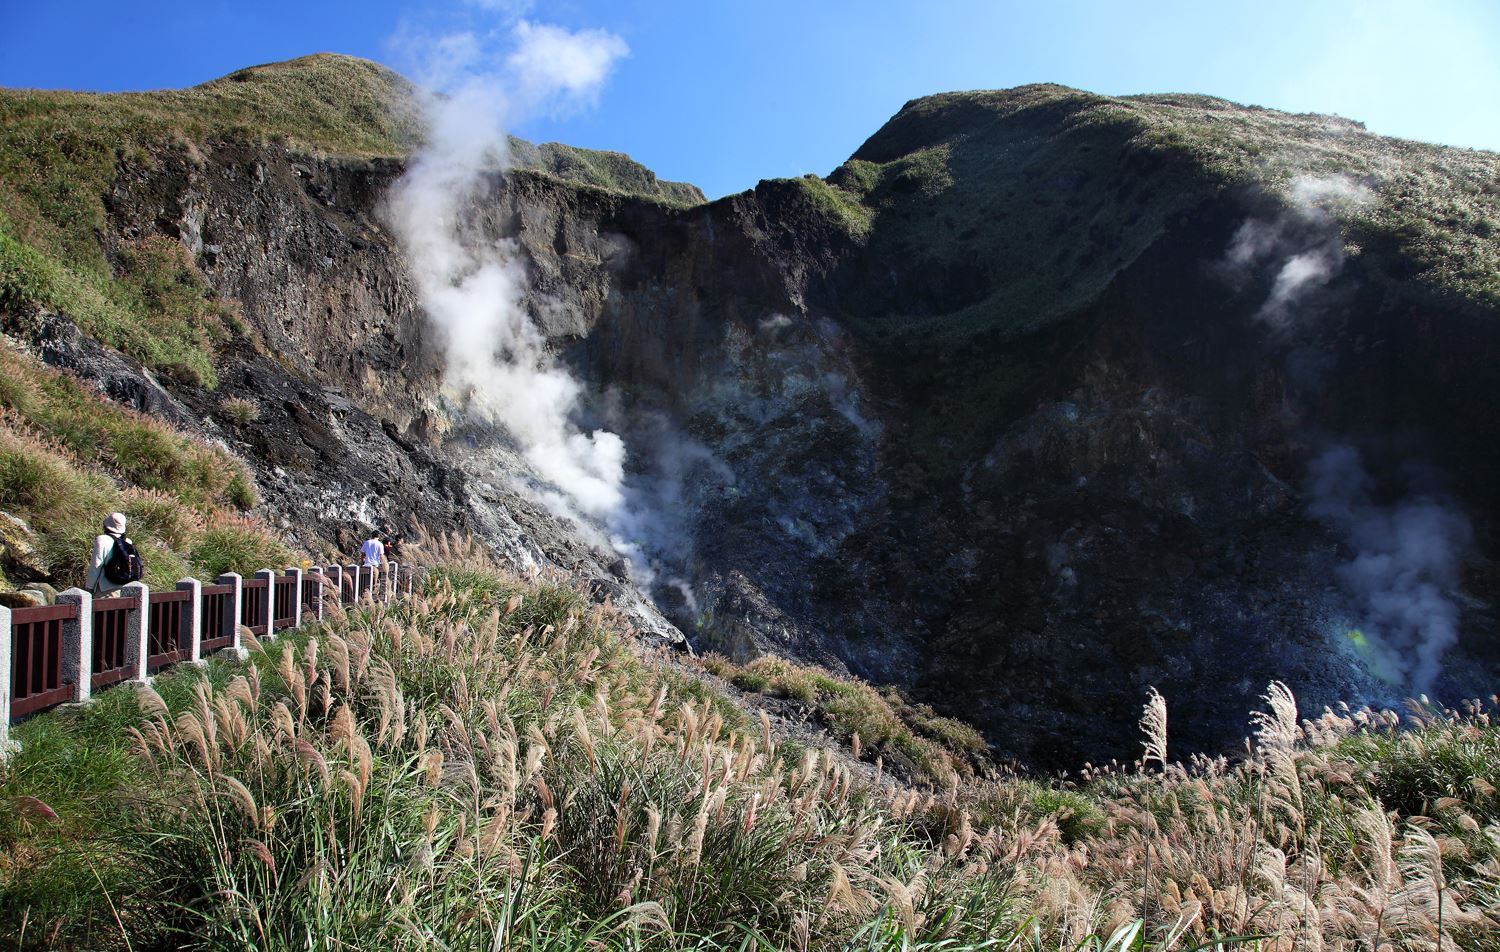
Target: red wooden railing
[(255, 597), (372, 585), (285, 600), (39, 636), (218, 620), (312, 594), (36, 658), (169, 627), (111, 663)]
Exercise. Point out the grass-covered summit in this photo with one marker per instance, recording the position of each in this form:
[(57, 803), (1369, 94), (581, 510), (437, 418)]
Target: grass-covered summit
[(1011, 207), (61, 152)]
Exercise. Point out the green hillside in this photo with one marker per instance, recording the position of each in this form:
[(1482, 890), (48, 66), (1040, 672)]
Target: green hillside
[(1021, 205), (68, 457), (60, 152)]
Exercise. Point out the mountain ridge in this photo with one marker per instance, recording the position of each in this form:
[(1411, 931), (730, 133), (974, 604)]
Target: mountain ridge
[(1005, 428)]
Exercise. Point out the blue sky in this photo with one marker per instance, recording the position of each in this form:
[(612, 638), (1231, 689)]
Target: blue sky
[(722, 94)]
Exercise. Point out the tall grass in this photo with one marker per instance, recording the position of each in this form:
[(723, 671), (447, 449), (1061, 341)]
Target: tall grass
[(69, 457), (491, 766)]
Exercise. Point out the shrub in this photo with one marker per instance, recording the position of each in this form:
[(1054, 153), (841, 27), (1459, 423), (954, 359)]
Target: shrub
[(784, 679), (236, 543), (752, 681), (240, 410), (158, 515)]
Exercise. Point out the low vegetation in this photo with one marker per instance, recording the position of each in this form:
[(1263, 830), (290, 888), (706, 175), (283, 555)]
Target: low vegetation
[(878, 723), (68, 457), (611, 171), (491, 766)]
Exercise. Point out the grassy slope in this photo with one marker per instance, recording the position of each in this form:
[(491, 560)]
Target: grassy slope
[(1049, 192), (69, 457), (59, 152), (489, 767)]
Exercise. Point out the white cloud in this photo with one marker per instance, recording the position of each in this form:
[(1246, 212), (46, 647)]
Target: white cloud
[(554, 68)]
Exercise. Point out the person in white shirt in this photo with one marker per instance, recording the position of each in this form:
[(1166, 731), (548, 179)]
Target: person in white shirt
[(97, 582), (373, 551)]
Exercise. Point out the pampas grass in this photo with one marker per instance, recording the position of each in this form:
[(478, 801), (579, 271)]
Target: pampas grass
[(490, 765)]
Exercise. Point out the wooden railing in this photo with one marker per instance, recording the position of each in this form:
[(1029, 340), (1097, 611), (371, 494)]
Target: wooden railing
[(286, 601), (219, 622), (169, 629), (36, 659), (58, 654), (113, 646), (255, 595)]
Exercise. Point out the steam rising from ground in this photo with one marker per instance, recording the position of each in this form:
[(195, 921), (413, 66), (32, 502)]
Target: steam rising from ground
[(1405, 565), (1407, 553), (1304, 246), (473, 287)]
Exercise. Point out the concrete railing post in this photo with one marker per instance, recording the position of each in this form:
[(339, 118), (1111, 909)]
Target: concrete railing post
[(137, 628), (6, 748), (192, 624), (354, 572), (233, 611), (269, 577), (78, 644), (296, 574), (393, 576)]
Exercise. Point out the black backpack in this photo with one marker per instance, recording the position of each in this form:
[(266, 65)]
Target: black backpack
[(124, 563)]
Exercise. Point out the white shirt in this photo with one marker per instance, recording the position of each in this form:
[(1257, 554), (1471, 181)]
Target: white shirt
[(374, 551), (97, 582)]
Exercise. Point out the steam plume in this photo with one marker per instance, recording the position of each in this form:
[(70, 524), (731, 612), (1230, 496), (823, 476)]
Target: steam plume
[(473, 287), (1406, 562), (1304, 246)]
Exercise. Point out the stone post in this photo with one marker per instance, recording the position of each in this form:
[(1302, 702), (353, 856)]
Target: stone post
[(354, 572), (232, 608), (137, 628), (6, 748), (78, 644), (269, 575), (296, 574), (192, 625), (393, 581)]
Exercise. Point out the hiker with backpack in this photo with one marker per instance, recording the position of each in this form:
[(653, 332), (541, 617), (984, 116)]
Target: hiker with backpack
[(115, 562)]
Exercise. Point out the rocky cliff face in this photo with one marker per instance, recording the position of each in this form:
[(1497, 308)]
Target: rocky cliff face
[(1016, 410)]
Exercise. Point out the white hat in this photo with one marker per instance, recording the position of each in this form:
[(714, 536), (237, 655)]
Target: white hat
[(115, 523)]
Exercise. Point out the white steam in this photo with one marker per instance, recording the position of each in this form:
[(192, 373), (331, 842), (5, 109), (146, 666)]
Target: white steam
[(1406, 562), (473, 287), (1304, 246)]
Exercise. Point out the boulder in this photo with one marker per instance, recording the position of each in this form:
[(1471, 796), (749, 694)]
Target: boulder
[(19, 556), (25, 598)]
